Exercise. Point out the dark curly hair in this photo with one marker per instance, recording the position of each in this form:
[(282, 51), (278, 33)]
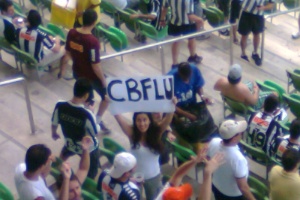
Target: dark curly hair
[(153, 140)]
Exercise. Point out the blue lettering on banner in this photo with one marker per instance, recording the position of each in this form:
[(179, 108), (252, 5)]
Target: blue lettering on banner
[(136, 93)]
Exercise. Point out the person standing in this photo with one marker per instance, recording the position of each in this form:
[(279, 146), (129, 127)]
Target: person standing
[(183, 22), (77, 122), (84, 49), (252, 20), (230, 180)]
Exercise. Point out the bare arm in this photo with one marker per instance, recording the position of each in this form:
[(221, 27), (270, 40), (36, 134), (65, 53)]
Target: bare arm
[(64, 190), (176, 178), (211, 166), (244, 188), (165, 123), (185, 114), (144, 16), (57, 46), (126, 128), (55, 135), (269, 6), (84, 164), (64, 64), (196, 19), (98, 71)]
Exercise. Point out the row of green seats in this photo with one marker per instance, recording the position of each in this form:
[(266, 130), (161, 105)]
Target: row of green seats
[(136, 26)]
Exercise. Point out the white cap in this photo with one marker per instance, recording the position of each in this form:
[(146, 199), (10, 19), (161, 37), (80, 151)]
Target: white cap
[(235, 72), (230, 128), (123, 162)]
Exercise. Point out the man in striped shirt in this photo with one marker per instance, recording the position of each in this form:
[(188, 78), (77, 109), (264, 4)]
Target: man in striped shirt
[(32, 40), (252, 20), (115, 183), (77, 122), (183, 22)]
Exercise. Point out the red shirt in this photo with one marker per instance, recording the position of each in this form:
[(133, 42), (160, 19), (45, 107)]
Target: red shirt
[(85, 51)]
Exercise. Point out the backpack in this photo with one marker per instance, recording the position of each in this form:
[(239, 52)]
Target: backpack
[(200, 130)]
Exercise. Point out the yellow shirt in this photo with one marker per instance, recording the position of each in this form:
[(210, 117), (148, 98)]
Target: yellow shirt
[(85, 4), (284, 185)]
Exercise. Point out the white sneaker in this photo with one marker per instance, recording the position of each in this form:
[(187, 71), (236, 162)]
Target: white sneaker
[(296, 35)]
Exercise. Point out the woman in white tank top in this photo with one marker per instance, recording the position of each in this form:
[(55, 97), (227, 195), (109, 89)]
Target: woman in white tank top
[(145, 138)]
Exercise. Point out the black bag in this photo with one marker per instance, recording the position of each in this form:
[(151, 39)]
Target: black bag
[(196, 131)]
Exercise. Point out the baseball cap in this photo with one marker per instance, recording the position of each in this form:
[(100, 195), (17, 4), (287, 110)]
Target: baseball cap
[(235, 72), (183, 192), (230, 128), (123, 162)]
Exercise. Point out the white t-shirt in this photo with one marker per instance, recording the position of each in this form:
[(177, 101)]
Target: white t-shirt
[(119, 4), (28, 189), (160, 195), (235, 166), (147, 162)]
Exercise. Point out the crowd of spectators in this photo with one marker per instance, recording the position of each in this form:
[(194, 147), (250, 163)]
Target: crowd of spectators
[(226, 168)]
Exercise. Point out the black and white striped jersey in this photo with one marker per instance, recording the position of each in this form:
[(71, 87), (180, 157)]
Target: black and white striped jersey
[(33, 40)]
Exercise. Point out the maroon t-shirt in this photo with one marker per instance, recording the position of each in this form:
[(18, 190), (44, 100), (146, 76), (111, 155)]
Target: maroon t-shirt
[(85, 51)]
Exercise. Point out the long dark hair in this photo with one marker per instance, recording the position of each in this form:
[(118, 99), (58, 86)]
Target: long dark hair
[(153, 140)]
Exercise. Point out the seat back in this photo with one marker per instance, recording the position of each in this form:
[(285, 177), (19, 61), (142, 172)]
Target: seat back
[(293, 101), (236, 107), (108, 8), (293, 79), (258, 189), (5, 46), (5, 193), (90, 186), (181, 153), (130, 23), (88, 196), (107, 153), (24, 57), (255, 154), (113, 39), (46, 30), (121, 36), (148, 30), (112, 145), (268, 85), (57, 30)]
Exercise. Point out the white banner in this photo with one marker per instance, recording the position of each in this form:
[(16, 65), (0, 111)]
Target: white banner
[(140, 94)]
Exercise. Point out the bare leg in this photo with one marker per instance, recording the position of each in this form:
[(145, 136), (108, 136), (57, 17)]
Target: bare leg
[(175, 52), (244, 44), (234, 33), (192, 46), (256, 41), (102, 107)]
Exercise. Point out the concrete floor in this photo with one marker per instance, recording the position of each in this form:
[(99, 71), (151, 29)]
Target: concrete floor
[(281, 53)]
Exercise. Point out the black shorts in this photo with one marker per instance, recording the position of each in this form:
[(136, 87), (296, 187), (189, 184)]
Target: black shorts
[(174, 30), (235, 11), (223, 5), (251, 23), (220, 196), (97, 86)]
